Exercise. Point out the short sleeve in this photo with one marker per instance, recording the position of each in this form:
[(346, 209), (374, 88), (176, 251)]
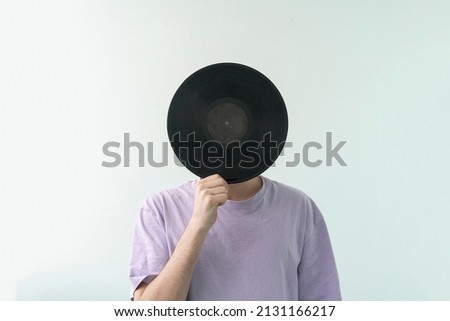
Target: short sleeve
[(149, 252), (317, 273)]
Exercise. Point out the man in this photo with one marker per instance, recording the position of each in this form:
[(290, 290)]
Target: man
[(209, 240)]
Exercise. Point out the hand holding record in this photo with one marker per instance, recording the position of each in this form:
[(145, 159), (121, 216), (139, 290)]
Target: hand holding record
[(210, 193)]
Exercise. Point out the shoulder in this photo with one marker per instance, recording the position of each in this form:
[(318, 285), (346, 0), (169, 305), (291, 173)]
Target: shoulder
[(285, 192), (159, 201), (293, 198), (284, 189)]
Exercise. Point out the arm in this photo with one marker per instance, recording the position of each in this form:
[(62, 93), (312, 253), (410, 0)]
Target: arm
[(174, 280)]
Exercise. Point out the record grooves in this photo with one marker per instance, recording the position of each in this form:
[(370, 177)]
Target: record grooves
[(227, 119)]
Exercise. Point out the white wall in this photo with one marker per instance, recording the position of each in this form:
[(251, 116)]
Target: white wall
[(75, 75)]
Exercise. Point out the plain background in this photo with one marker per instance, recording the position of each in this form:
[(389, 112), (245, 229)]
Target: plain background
[(77, 74)]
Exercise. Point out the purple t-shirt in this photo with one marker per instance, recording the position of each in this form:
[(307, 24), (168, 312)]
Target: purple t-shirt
[(273, 246)]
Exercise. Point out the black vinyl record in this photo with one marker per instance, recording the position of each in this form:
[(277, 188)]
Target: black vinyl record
[(227, 119)]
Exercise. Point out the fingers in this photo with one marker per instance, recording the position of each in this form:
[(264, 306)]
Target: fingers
[(220, 199), (212, 181), (213, 190), (215, 195), (217, 190), (211, 177)]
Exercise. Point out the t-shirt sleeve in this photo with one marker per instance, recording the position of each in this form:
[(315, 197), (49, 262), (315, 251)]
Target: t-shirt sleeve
[(317, 273), (149, 252)]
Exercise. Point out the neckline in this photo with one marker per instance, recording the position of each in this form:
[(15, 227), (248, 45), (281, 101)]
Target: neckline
[(250, 202)]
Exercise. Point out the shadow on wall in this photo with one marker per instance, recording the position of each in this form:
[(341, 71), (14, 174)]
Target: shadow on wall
[(75, 284)]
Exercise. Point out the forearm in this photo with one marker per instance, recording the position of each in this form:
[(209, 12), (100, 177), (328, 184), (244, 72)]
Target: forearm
[(174, 280)]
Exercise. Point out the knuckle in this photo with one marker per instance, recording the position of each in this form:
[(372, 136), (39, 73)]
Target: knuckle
[(209, 200), (200, 186)]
